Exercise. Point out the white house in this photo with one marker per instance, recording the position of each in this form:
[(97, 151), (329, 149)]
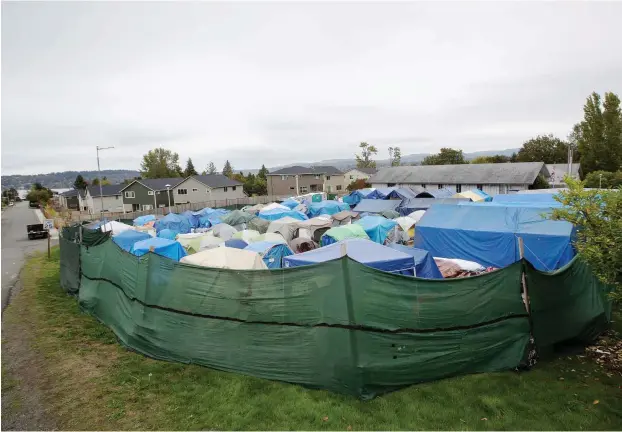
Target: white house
[(493, 179), (357, 174), (73, 199), (201, 188), (111, 197)]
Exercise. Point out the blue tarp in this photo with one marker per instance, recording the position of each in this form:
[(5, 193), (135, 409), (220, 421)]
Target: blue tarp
[(192, 218), (377, 227), (276, 213), (165, 247), (380, 193), (376, 205), (364, 251), (425, 266), (436, 193), (168, 234), (174, 222), (236, 243), (272, 253), (328, 207), (401, 193), (290, 203), (356, 196), (142, 220), (526, 198), (488, 234), (126, 239), (204, 222), (414, 204), (482, 194)]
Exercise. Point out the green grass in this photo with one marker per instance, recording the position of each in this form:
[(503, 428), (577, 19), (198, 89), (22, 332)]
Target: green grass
[(93, 383)]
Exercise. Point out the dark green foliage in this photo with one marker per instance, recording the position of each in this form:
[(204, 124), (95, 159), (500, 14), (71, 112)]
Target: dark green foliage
[(545, 148), (447, 156)]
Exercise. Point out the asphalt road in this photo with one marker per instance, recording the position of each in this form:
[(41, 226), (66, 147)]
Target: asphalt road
[(15, 244)]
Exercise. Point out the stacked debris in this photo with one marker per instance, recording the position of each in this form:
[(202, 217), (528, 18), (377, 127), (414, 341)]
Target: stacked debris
[(607, 351)]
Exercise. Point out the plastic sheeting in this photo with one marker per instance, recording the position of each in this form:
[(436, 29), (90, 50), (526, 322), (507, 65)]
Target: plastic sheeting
[(489, 235), (381, 193), (376, 205), (163, 247), (425, 266), (226, 258), (258, 224), (237, 217), (168, 234), (192, 241), (277, 213), (542, 198), (126, 239), (236, 243), (356, 196), (246, 235), (401, 194), (343, 232), (224, 231), (290, 203), (272, 253), (377, 228), (210, 242), (142, 220), (192, 218), (115, 227), (414, 204), (326, 208), (435, 193), (174, 222)]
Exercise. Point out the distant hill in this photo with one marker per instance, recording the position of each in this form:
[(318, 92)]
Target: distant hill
[(65, 179)]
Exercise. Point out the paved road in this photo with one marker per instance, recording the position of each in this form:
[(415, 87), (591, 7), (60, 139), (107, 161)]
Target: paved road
[(15, 244)]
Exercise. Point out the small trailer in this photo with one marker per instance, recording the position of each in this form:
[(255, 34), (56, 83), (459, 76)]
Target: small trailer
[(36, 231)]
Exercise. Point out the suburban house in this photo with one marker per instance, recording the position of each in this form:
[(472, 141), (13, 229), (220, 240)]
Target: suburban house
[(201, 188), (358, 174), (110, 195), (298, 180), (74, 199), (559, 171), (494, 179), (148, 194)]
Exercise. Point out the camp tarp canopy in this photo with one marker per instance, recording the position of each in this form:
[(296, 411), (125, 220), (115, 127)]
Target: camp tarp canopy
[(345, 217), (142, 220), (236, 243), (543, 198), (271, 237), (174, 222), (273, 206), (168, 234), (538, 204), (409, 206), (246, 235), (228, 258), (376, 205), (425, 266), (302, 244), (275, 214), (328, 207), (435, 193), (343, 232), (126, 239), (254, 209), (290, 203), (192, 240), (192, 218), (272, 253), (237, 217), (364, 251), (258, 224), (389, 214), (355, 197), (488, 234), (161, 246), (377, 228), (284, 226), (474, 195), (287, 227), (115, 227), (381, 193), (416, 215), (224, 231), (95, 225), (403, 193), (209, 242)]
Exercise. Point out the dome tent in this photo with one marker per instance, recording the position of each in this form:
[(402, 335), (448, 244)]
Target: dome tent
[(126, 239), (237, 217), (174, 222), (343, 232), (142, 220), (272, 253), (228, 258), (328, 207), (164, 247), (224, 231), (378, 228), (168, 234)]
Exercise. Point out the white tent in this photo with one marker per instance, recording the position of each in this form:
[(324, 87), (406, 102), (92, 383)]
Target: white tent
[(246, 235), (416, 215), (210, 242), (273, 206), (226, 257), (224, 231), (115, 227), (192, 240)]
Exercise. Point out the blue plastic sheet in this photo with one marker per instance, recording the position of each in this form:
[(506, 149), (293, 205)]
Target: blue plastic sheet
[(526, 198), (328, 207), (425, 266), (236, 243), (488, 234), (174, 222), (401, 193), (356, 196), (364, 251), (276, 214), (192, 218), (376, 205), (142, 220), (272, 253), (164, 247), (381, 193), (126, 239), (413, 204), (436, 193), (377, 227), (168, 234), (290, 203)]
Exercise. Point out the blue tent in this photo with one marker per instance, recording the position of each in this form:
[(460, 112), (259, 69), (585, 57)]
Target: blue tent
[(142, 220), (126, 239), (204, 212), (236, 243), (377, 227), (272, 253), (168, 234), (204, 222), (277, 213), (328, 207), (380, 193), (192, 218), (290, 203), (436, 193), (174, 222), (488, 234), (425, 266), (161, 246), (401, 193), (526, 198), (413, 204), (364, 251), (376, 205), (356, 196)]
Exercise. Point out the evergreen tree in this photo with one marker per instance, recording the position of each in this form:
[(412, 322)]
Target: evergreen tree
[(227, 169), (263, 173), (79, 183), (190, 171), (447, 156), (211, 168)]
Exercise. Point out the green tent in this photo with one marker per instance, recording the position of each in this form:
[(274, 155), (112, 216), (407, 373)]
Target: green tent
[(343, 232), (237, 217)]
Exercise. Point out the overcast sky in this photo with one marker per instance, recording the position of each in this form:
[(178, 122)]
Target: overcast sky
[(278, 83)]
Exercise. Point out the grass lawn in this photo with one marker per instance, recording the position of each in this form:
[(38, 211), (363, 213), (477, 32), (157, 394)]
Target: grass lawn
[(91, 382)]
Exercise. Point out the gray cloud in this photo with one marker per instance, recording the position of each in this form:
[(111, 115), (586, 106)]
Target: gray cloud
[(276, 83)]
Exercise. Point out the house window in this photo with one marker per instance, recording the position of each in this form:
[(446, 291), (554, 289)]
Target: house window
[(116, 197), (327, 177), (283, 177), (440, 186), (182, 191), (303, 189), (147, 207), (233, 188), (352, 177), (130, 194), (149, 192), (338, 187), (135, 207), (225, 188), (458, 188), (480, 187), (317, 176), (390, 184), (195, 190), (291, 188)]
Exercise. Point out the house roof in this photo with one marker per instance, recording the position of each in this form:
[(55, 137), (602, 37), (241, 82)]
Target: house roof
[(107, 190), (293, 170), (73, 193), (157, 184), (559, 171), (215, 181), (369, 171), (502, 173)]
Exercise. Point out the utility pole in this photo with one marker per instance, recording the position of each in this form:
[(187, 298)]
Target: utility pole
[(99, 174)]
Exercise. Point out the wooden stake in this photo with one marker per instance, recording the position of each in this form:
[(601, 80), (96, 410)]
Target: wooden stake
[(521, 251), (49, 244)]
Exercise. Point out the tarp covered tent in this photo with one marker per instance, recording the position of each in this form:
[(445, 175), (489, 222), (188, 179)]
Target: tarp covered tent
[(343, 232), (126, 239), (364, 251), (164, 247), (236, 243), (344, 217), (237, 217), (271, 237), (246, 235), (258, 224), (328, 207), (389, 214), (474, 195), (376, 205), (403, 193), (290, 203), (489, 235), (115, 227), (380, 193), (210, 241), (377, 228), (192, 240), (142, 220), (168, 234), (291, 228), (216, 217), (542, 198), (224, 231), (254, 209), (425, 266), (174, 222), (225, 257), (414, 204), (272, 253), (416, 215), (273, 206), (276, 213), (355, 197), (435, 193), (407, 225), (192, 218), (302, 244)]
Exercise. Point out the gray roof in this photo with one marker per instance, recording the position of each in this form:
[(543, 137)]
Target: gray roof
[(216, 180), (313, 170), (366, 170), (502, 173), (73, 193), (107, 190), (559, 171), (158, 183)]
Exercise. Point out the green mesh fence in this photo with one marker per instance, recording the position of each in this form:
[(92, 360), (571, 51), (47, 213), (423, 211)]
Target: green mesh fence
[(69, 265)]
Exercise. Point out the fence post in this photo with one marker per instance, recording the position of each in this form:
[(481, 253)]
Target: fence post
[(521, 251)]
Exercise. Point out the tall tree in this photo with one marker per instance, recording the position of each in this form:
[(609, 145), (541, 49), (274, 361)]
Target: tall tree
[(447, 156), (227, 170), (599, 134), (545, 148), (80, 183), (105, 181), (364, 159), (211, 168), (263, 173), (160, 163), (491, 159), (395, 156), (95, 182), (190, 171)]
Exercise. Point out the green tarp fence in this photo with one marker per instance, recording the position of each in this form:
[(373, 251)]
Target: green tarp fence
[(70, 245)]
